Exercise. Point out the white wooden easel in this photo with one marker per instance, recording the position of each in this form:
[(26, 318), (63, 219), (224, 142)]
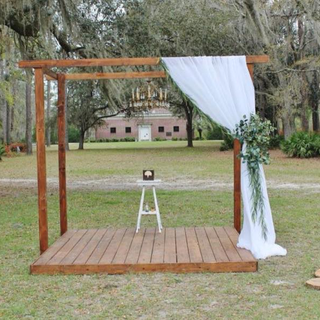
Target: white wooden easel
[(153, 184)]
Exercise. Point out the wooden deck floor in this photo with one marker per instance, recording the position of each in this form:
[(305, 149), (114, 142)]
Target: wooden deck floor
[(116, 251)]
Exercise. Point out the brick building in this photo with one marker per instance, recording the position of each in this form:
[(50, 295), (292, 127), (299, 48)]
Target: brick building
[(158, 123)]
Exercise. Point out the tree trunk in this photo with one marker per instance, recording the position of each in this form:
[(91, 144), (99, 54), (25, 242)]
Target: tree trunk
[(200, 134), (189, 115), (314, 102), (304, 104), (81, 139), (3, 109), (48, 114), (8, 123), (288, 126), (28, 113)]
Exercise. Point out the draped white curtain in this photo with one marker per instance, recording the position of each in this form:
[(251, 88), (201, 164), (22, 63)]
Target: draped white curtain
[(221, 87)]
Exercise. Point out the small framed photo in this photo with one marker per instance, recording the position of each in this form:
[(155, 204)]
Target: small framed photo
[(148, 174)]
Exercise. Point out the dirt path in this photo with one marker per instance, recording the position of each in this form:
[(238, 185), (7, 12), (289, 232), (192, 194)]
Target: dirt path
[(129, 183)]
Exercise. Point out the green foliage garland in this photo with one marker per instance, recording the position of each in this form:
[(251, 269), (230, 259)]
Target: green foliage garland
[(256, 134)]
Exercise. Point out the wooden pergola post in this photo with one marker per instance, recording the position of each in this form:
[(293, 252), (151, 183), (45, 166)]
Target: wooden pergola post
[(237, 174), (62, 153), (41, 160)]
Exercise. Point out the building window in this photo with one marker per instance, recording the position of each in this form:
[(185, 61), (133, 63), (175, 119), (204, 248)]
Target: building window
[(168, 134), (113, 130), (128, 129), (176, 129), (160, 129)]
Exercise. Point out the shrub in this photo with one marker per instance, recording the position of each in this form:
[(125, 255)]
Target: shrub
[(174, 139), (227, 142), (73, 134), (275, 141), (114, 140), (129, 139), (2, 151), (215, 132), (159, 139), (302, 145)]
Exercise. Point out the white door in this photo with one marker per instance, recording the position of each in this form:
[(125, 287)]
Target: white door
[(144, 133)]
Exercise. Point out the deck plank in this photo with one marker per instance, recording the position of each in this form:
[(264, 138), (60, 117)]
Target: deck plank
[(147, 246), (134, 251), (158, 247), (113, 247), (170, 253), (52, 250), (217, 249), (77, 249), (206, 251), (90, 247), (59, 256), (101, 247), (243, 253), (228, 246), (182, 246), (193, 245), (124, 246)]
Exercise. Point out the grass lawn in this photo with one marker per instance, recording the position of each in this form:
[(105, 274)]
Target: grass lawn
[(276, 291)]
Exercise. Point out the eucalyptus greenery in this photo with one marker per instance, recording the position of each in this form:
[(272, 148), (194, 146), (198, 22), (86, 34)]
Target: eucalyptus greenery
[(256, 134)]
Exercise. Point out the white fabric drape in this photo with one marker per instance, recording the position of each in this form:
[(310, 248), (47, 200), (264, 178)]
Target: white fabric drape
[(222, 88)]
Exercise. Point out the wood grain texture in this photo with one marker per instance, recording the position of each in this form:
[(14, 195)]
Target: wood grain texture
[(227, 245), (102, 246), (89, 62), (317, 273), (147, 246), (193, 245), (216, 246), (237, 185), (135, 248), (112, 62), (50, 75), (90, 247), (204, 245), (61, 119), (170, 254), (233, 235), (115, 75), (178, 250), (52, 250), (64, 251), (314, 283), (182, 245), (147, 268), (41, 160)]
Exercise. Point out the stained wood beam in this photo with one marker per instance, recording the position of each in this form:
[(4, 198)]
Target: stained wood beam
[(257, 59), (89, 62), (237, 185), (113, 75), (50, 75), (111, 62), (62, 153), (41, 160)]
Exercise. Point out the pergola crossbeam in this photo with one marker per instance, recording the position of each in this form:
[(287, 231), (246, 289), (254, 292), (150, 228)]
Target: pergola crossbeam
[(112, 75), (50, 74), (111, 62)]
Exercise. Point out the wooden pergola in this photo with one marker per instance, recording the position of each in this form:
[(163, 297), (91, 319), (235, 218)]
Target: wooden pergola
[(48, 261)]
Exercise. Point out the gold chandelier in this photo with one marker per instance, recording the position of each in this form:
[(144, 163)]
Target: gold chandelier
[(148, 97)]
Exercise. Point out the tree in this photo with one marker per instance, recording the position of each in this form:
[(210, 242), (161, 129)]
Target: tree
[(88, 107)]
